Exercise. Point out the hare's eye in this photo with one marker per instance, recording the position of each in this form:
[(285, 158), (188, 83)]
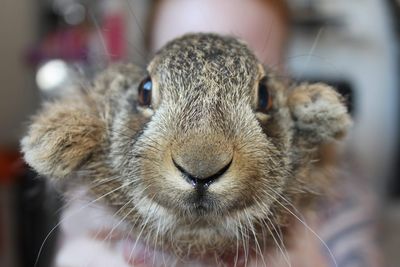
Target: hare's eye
[(144, 92), (264, 101)]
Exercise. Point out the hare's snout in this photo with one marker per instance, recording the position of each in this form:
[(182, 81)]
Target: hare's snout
[(202, 162)]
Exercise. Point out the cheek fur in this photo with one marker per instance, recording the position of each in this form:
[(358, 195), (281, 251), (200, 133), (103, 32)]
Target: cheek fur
[(254, 171)]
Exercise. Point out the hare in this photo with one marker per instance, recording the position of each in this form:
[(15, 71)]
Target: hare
[(201, 155)]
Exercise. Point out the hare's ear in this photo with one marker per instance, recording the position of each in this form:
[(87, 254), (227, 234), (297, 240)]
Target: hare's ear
[(61, 138), (319, 113)]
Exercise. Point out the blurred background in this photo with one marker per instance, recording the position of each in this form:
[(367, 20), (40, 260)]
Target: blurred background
[(46, 45)]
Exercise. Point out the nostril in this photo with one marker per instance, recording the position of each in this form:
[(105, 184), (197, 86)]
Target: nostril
[(202, 182)]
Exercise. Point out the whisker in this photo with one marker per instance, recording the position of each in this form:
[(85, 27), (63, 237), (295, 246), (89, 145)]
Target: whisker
[(162, 245), (281, 246), (284, 254), (100, 34), (156, 240), (307, 226), (267, 37), (255, 238), (144, 224), (128, 213), (245, 242), (145, 56), (313, 47), (73, 212)]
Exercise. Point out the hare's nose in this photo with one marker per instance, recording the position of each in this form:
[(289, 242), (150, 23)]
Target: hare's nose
[(199, 182)]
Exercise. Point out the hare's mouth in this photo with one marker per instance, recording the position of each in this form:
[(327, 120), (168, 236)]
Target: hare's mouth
[(201, 203)]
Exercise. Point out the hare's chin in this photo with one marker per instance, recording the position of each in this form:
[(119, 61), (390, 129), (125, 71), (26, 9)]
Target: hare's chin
[(138, 253)]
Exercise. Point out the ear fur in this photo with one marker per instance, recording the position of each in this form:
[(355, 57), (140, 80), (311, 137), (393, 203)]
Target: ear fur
[(318, 113), (62, 137)]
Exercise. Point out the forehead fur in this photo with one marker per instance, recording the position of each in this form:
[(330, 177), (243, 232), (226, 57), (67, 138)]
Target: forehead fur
[(204, 64)]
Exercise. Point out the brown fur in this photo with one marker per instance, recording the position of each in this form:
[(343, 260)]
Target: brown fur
[(202, 116)]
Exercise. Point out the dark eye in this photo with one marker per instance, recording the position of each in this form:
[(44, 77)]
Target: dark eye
[(264, 101), (144, 92)]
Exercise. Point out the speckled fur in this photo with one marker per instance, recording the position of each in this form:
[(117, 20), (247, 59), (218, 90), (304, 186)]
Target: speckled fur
[(202, 115)]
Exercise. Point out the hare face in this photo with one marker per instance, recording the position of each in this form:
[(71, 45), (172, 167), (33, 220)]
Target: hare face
[(204, 151), (205, 146)]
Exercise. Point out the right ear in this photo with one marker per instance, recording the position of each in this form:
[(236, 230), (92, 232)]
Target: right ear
[(319, 113), (62, 137)]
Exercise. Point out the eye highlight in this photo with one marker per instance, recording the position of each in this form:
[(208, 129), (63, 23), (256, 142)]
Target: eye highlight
[(264, 98), (145, 92)]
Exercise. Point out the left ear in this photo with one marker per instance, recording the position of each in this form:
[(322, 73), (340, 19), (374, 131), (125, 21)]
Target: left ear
[(318, 113), (62, 137)]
